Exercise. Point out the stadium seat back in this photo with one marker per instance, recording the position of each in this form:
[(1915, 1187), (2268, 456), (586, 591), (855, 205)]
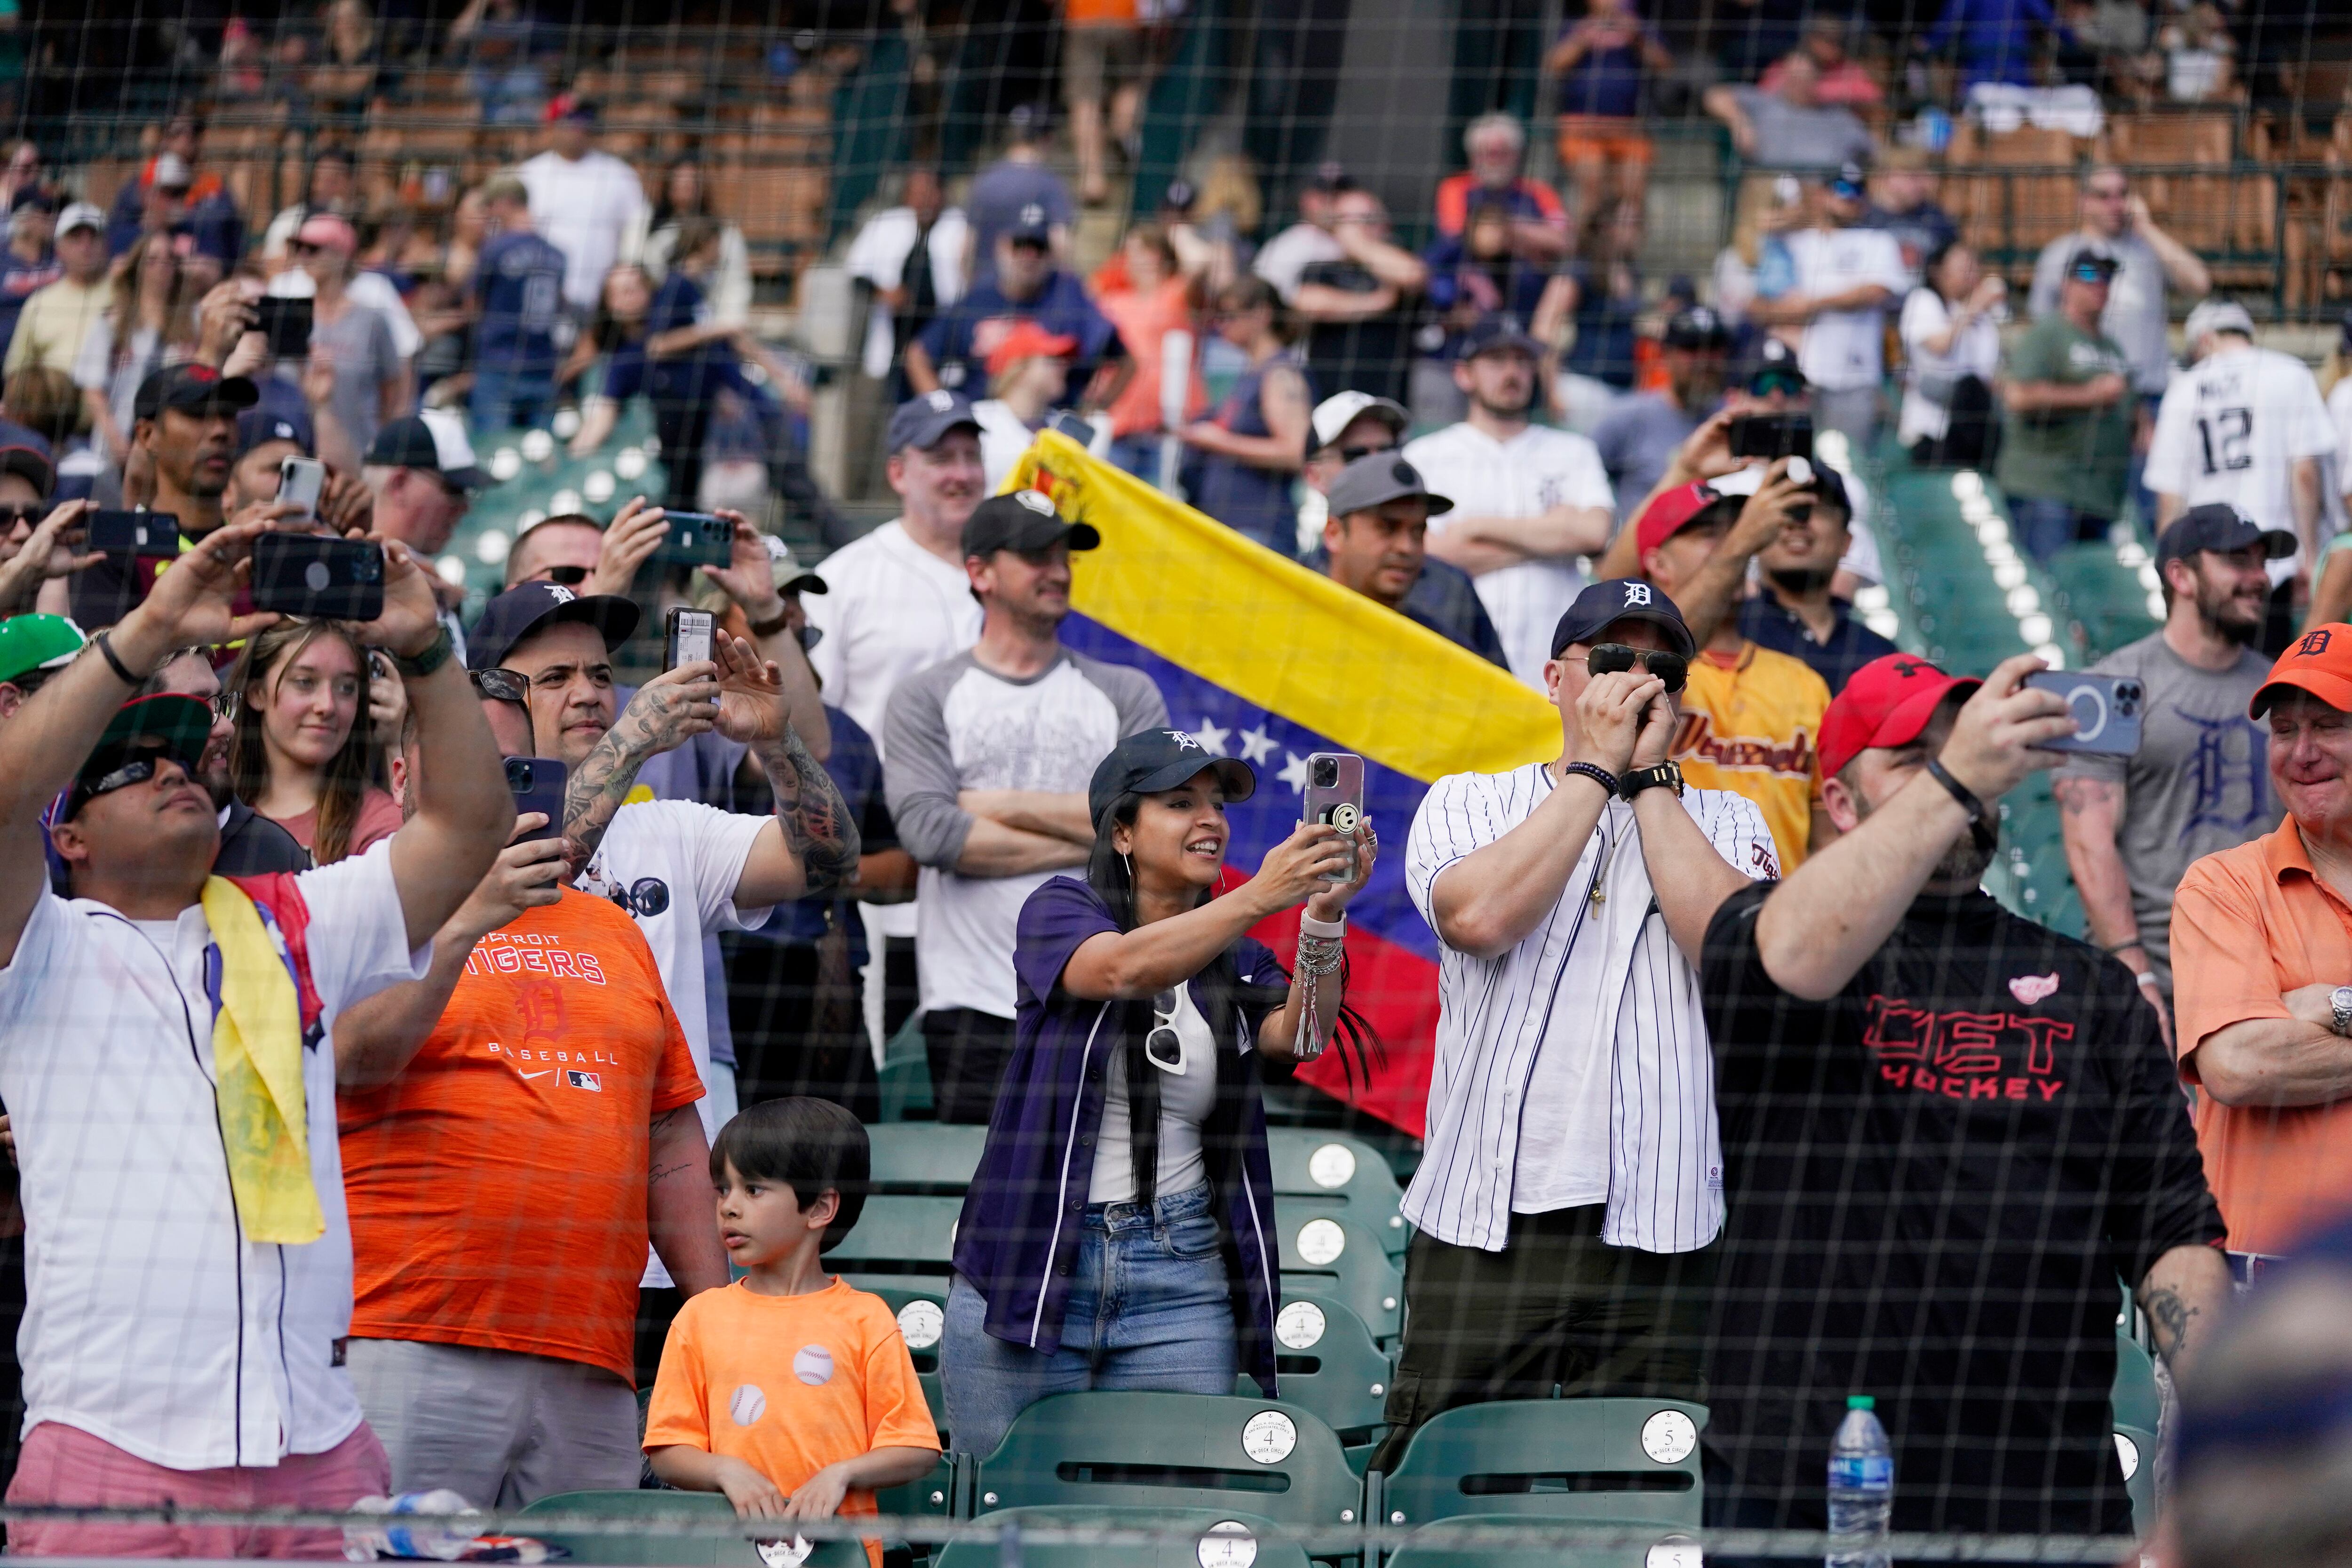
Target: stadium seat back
[(709, 1511), (1207, 1535), (900, 1236), (906, 1075), (1340, 1259), (1128, 1450), (1324, 1173), (2135, 1452), (925, 1158), (1441, 1550), (2135, 1398), (1325, 1359), (1561, 1459), (920, 1308)]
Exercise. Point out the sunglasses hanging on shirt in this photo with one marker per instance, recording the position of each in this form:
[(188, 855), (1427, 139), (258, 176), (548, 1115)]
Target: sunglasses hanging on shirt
[(1164, 1048)]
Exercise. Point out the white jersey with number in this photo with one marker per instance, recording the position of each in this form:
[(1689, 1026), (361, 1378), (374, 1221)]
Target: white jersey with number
[(1842, 349), (2232, 428)]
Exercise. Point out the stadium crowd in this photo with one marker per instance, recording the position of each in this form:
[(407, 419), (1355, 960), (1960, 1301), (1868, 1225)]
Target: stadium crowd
[(1744, 1091)]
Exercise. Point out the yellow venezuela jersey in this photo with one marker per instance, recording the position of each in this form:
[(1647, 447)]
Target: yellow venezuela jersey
[(1750, 723)]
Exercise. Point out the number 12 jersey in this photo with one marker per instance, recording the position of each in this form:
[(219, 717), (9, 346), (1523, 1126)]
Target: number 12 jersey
[(2232, 427)]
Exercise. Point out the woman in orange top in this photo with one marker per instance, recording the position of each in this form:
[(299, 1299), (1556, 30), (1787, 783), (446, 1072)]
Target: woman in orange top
[(1155, 301)]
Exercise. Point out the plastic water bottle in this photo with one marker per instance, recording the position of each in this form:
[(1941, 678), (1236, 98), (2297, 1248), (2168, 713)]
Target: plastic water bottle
[(1861, 1487), (397, 1537)]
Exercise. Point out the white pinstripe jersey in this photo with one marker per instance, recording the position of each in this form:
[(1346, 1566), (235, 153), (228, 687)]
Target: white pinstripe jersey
[(1585, 1044)]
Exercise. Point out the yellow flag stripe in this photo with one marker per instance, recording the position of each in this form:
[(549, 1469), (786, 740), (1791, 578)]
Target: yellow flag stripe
[(1277, 634)]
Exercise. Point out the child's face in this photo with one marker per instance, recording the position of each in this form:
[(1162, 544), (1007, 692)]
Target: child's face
[(761, 1222)]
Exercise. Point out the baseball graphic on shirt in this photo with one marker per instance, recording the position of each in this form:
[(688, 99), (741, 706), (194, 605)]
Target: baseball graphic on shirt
[(747, 1405), (813, 1364)]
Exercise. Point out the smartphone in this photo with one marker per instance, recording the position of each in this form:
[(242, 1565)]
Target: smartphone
[(537, 785), (300, 482), (1772, 435), (698, 538), (686, 638), (314, 575), (151, 534), (285, 323), (2107, 709), (1335, 794)]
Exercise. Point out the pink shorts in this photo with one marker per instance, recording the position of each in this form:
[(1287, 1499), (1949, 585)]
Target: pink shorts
[(67, 1466)]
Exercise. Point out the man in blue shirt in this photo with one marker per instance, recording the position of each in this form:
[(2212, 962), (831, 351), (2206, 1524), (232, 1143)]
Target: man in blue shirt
[(1996, 38), (688, 358), (517, 304), (1003, 194), (1796, 614), (954, 347)]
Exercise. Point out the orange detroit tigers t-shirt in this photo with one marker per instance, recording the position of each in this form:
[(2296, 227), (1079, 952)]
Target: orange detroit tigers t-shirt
[(497, 1187), (789, 1385)]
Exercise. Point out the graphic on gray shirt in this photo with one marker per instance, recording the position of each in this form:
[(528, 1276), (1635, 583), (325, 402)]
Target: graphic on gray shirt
[(2199, 783)]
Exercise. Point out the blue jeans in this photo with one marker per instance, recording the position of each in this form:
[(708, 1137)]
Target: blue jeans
[(503, 400), (1148, 1309), (2046, 525)]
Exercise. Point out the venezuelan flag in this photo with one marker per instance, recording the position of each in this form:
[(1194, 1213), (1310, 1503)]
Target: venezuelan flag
[(1268, 661)]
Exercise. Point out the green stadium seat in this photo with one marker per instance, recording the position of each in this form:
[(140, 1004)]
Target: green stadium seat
[(1325, 1360), (1328, 1173), (925, 1158), (2135, 1398), (1654, 1546), (2135, 1451), (1201, 1545), (898, 1237), (1556, 1458), (906, 1075), (1126, 1450), (1339, 1259), (942, 1494), (706, 1509), (921, 1311)]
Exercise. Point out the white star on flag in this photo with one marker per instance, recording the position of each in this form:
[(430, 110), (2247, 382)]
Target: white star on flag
[(1212, 739), (1256, 746), (1294, 772)]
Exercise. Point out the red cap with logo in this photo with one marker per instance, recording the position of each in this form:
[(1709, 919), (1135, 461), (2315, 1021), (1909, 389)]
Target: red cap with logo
[(1027, 340), (2319, 662), (1671, 513), (1887, 702)]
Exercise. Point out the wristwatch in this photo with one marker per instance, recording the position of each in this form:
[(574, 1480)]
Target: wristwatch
[(428, 659), (1667, 774), (2339, 1004)]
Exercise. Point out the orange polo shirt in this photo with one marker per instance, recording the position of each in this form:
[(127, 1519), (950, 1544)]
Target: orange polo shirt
[(2249, 925)]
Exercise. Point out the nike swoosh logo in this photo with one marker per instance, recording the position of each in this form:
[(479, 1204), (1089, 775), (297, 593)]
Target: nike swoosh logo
[(542, 1073)]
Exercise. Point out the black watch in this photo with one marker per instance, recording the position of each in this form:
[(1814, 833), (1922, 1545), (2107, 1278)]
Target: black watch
[(428, 659), (1668, 775)]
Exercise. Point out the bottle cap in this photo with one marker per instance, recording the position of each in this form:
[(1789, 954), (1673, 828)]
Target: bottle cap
[(1860, 1401)]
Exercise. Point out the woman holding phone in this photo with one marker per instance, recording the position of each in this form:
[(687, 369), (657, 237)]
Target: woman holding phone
[(302, 748), (1119, 1233)]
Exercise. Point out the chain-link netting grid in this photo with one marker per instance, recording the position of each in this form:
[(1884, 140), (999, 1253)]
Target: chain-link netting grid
[(806, 122)]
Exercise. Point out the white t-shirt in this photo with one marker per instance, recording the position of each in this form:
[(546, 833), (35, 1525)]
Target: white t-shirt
[(891, 608), (1975, 350), (1534, 471), (1284, 260), (2232, 427), (2339, 408), (1186, 1098), (880, 255), (587, 210), (1843, 350), (150, 1323)]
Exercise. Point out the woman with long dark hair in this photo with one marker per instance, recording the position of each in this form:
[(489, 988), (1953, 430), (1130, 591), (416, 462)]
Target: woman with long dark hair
[(1246, 455), (1119, 1231), (300, 751)]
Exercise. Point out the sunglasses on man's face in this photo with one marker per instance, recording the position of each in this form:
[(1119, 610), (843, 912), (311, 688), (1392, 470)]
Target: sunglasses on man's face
[(570, 576), (502, 686), (10, 516), (1608, 657)]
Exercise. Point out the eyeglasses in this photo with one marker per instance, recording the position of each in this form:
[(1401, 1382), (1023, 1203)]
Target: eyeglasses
[(1163, 1046), (1350, 454), (570, 576), (2087, 274), (224, 705), (301, 248), (1764, 384), (10, 516), (1608, 657), (501, 686)]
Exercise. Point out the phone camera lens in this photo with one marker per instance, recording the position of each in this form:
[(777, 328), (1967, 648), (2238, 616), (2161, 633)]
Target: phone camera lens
[(368, 567), (517, 773), (1327, 773)]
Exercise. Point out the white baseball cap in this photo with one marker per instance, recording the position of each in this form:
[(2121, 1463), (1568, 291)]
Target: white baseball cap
[(1336, 413), (2217, 316), (81, 215)]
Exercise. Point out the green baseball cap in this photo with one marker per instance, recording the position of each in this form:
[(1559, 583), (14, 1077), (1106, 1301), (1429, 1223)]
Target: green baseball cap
[(28, 643)]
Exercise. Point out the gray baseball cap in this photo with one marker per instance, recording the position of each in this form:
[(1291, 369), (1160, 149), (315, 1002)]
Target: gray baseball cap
[(1381, 477), (921, 421)]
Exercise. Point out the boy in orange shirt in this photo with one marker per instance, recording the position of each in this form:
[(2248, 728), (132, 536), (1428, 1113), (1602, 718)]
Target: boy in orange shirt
[(789, 1391)]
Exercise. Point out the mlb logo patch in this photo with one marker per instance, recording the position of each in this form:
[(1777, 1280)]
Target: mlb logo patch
[(590, 1081)]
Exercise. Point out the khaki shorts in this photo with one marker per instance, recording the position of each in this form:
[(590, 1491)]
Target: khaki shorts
[(1098, 58)]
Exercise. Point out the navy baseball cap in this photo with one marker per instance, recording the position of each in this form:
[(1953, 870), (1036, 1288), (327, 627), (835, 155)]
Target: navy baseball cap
[(1030, 227), (1774, 363), (524, 608), (1605, 604), (193, 388), (1849, 181), (432, 442), (2221, 527), (1498, 330), (1026, 520), (922, 421), (1699, 328), (259, 427), (1154, 759)]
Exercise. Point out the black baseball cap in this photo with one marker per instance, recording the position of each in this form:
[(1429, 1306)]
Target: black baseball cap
[(432, 442), (1026, 520), (2093, 260), (193, 389), (1154, 759), (1331, 178), (259, 427), (527, 606), (921, 421), (1616, 599), (29, 455), (1378, 479), (1850, 181), (2221, 527), (1498, 330), (1773, 360), (1697, 328)]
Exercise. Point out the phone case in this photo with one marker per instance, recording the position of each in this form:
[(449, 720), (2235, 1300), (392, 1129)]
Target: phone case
[(155, 534), (311, 575), (537, 785), (698, 538), (2108, 711), (687, 638), (1341, 802)]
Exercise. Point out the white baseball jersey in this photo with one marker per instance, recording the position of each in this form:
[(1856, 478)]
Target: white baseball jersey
[(1842, 349), (1534, 471), (2232, 427), (1575, 1068)]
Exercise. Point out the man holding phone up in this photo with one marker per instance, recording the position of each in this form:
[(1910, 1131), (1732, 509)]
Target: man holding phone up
[(185, 423), (1572, 1186)]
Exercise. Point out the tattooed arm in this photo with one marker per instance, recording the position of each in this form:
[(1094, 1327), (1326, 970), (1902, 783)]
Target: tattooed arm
[(811, 846), (2184, 1295), (677, 1201), (667, 712)]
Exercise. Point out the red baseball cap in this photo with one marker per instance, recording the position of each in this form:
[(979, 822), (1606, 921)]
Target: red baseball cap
[(2319, 662), (1671, 513), (1887, 702), (1027, 340)]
